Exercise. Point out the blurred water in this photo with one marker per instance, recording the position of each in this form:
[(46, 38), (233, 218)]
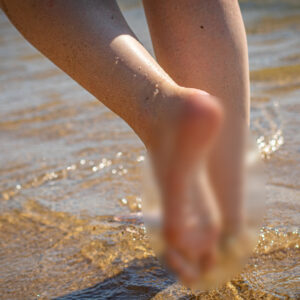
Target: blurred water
[(69, 168)]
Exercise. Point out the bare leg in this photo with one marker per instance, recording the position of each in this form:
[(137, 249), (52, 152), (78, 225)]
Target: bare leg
[(91, 41), (202, 44)]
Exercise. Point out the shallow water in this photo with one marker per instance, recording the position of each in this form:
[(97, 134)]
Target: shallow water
[(69, 167)]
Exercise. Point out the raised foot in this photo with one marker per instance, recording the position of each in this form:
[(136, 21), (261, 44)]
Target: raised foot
[(191, 217)]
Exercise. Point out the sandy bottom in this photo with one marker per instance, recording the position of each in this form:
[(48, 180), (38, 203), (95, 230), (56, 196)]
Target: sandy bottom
[(68, 167)]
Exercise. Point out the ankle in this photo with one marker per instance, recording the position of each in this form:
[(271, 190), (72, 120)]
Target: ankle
[(162, 116)]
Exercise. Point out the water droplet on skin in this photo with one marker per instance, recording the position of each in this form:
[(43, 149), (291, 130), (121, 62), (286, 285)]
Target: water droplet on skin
[(155, 93)]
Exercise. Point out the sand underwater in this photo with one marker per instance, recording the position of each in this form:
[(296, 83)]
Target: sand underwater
[(68, 166)]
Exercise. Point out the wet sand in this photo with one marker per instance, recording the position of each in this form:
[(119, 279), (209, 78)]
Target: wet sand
[(68, 167)]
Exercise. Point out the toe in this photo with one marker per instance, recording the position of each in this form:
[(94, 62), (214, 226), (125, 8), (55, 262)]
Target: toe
[(185, 270)]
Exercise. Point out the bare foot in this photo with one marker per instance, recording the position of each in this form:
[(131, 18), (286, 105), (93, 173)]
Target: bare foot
[(191, 218)]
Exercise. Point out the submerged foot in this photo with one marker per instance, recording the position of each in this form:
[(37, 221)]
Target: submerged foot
[(191, 221)]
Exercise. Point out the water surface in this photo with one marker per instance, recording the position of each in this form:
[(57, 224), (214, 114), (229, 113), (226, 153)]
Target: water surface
[(69, 166)]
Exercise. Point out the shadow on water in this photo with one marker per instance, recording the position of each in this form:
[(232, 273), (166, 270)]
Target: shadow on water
[(142, 279)]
